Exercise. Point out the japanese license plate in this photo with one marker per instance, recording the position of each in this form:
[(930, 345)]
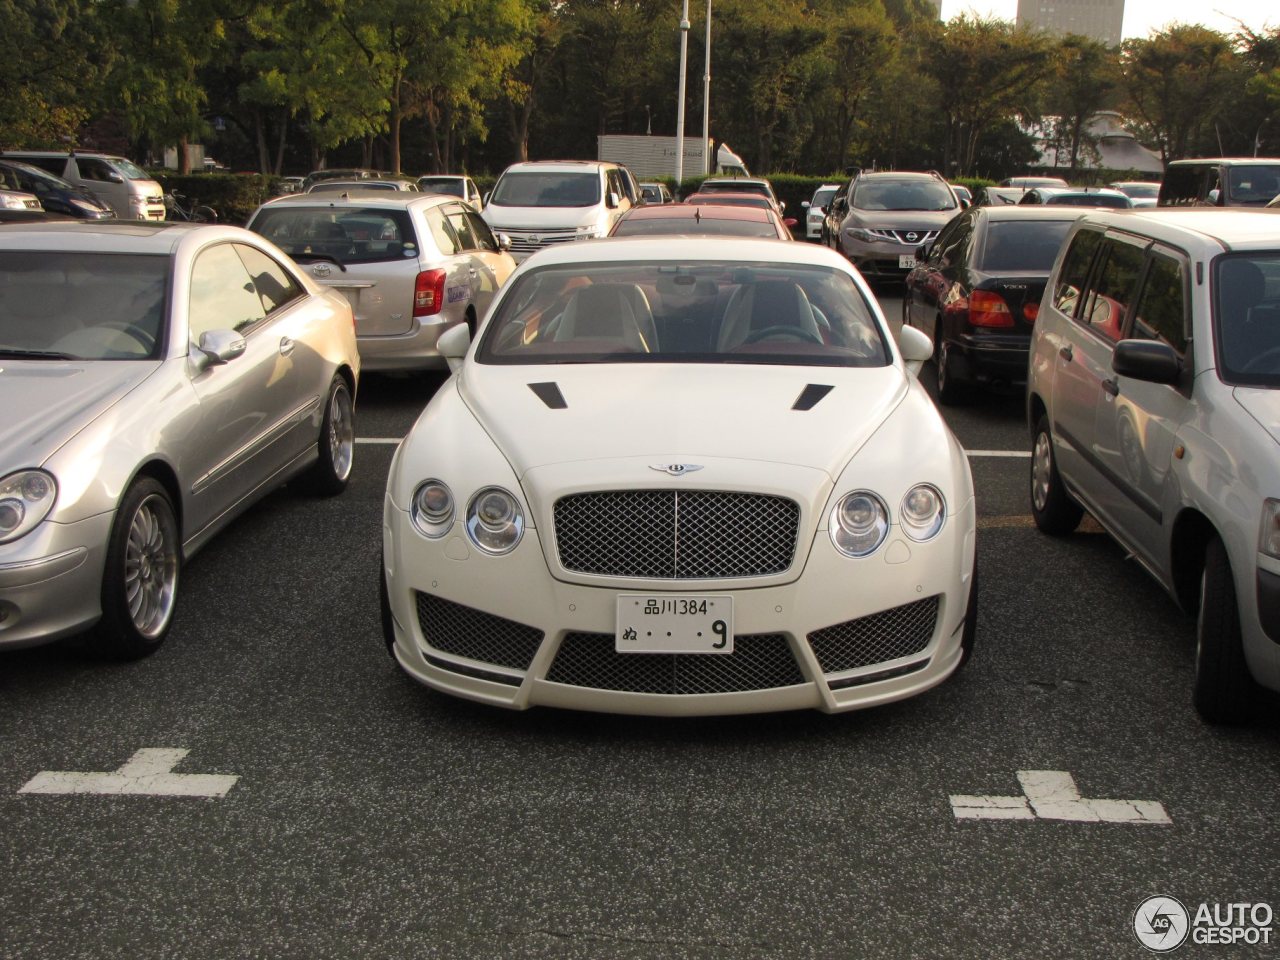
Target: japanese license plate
[(674, 623), (906, 261)]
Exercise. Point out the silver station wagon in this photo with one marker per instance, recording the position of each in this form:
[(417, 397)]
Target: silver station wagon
[(1154, 403), (411, 265), (156, 380)]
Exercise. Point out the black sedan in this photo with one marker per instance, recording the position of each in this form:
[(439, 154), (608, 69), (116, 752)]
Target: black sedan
[(976, 291)]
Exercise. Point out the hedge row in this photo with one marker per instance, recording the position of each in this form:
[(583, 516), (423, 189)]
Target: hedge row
[(233, 195)]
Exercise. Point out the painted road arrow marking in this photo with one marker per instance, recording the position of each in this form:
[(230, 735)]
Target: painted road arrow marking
[(1053, 795), (149, 772)]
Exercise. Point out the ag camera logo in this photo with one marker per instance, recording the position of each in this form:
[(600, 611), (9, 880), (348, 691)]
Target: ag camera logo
[(1161, 924)]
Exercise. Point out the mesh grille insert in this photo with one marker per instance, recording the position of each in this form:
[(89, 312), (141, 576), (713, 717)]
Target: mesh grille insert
[(476, 635), (758, 662), (887, 635), (676, 534)]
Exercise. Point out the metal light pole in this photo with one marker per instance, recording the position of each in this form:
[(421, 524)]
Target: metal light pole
[(684, 58), (707, 166)]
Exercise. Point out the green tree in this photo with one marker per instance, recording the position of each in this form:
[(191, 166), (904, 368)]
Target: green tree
[(1084, 79)]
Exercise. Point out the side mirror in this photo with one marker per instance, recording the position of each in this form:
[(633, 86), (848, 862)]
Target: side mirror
[(916, 348), (790, 222), (1148, 360), (487, 196), (504, 242), (453, 345), (218, 347), (965, 204), (804, 204), (612, 201), (115, 177)]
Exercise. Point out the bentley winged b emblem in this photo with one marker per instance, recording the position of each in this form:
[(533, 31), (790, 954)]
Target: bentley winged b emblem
[(676, 469)]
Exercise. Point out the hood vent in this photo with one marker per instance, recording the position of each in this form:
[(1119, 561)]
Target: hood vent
[(549, 393), (811, 395)]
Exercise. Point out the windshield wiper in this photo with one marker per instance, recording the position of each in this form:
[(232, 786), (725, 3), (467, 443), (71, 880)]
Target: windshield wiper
[(321, 256), (15, 354)]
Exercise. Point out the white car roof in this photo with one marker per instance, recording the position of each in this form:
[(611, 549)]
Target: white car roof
[(687, 250), (387, 199), (1255, 229), (560, 166), (111, 236)]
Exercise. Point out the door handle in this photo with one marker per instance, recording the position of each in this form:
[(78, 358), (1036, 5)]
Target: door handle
[(1111, 388), (1066, 353), (286, 346)]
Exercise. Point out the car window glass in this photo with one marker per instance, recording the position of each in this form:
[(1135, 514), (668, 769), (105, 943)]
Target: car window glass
[(94, 170), (442, 233), (480, 230), (1029, 245), (223, 295), (55, 165), (275, 286), (1246, 318), (457, 219), (1108, 300), (1161, 310), (351, 235), (1075, 271)]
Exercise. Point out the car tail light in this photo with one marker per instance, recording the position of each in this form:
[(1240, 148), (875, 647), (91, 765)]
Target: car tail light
[(1031, 310), (428, 293), (988, 309)]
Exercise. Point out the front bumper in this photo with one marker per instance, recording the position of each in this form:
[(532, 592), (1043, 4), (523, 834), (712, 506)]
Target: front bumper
[(782, 628), (51, 581)]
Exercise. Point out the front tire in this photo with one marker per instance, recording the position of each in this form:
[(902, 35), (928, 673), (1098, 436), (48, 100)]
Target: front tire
[(1224, 690), (140, 579), (329, 476), (1052, 508)]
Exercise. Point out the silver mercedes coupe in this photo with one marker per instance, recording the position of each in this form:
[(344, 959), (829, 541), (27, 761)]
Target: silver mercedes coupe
[(155, 381)]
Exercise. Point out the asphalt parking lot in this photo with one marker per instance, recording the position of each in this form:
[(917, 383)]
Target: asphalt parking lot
[(361, 815)]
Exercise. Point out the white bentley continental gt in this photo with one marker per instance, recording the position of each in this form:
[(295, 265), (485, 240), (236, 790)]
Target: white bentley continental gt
[(679, 477)]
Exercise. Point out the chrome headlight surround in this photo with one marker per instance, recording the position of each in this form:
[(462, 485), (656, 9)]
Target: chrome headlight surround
[(431, 509), (923, 512), (26, 497), (495, 521), (859, 523), (1269, 529), (861, 234)]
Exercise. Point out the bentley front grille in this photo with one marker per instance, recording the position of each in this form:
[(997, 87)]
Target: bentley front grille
[(676, 534), (878, 638), (466, 632), (758, 662)]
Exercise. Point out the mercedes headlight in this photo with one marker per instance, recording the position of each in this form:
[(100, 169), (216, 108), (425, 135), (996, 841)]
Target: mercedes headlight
[(1269, 535), (25, 499), (923, 512), (495, 521), (432, 509), (859, 523)]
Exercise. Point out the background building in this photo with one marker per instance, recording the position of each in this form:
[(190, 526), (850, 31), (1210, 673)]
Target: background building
[(1097, 19)]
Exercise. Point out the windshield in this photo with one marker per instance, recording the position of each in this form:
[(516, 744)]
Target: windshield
[(344, 235), (822, 197), (699, 312), (1140, 191), (130, 169), (1247, 318), (450, 185), (903, 195), (1022, 245), (81, 306), (1254, 183), (545, 189)]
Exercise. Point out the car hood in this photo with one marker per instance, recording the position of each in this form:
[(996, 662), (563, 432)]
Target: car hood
[(813, 417), (901, 219), (1263, 405), (47, 403), (540, 218)]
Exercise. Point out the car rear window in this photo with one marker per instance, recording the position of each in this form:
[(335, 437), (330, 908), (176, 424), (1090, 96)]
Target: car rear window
[(1022, 245), (546, 189), (650, 226), (345, 234), (684, 312), (450, 185)]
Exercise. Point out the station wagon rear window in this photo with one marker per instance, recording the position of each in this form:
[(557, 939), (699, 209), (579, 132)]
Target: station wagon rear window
[(340, 234), (689, 312)]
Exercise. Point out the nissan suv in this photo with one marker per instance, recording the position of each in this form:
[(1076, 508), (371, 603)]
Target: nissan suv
[(885, 217)]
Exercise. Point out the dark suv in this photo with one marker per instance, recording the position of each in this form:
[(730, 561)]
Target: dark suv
[(885, 217)]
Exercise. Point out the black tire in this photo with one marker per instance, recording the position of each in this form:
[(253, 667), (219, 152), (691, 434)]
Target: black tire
[(336, 444), (1224, 691), (384, 606), (1052, 508), (140, 578), (970, 633), (951, 391)]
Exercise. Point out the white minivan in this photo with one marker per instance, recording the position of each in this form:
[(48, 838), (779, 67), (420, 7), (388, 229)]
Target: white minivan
[(545, 202), (1153, 396), (118, 183)]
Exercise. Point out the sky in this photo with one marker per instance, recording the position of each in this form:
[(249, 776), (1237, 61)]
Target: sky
[(1141, 17)]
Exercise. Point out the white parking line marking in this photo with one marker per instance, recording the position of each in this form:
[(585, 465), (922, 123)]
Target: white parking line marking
[(149, 772), (391, 440), (1053, 795), (1017, 454)]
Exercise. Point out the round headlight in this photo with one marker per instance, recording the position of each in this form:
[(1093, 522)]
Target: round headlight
[(432, 509), (495, 521), (859, 523), (923, 512), (25, 499)]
